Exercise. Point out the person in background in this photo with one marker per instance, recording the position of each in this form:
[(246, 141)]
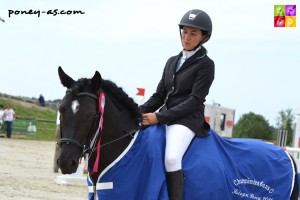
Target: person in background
[(9, 116), (42, 100), (1, 115), (180, 96)]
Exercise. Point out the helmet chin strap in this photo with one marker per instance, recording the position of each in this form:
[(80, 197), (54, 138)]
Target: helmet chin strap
[(196, 47)]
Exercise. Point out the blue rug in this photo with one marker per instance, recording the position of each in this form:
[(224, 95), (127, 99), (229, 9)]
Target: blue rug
[(215, 169)]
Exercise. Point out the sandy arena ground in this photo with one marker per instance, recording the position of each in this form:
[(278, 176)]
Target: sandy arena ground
[(26, 173)]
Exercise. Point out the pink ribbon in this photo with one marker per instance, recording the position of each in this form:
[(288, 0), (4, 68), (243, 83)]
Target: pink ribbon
[(101, 109)]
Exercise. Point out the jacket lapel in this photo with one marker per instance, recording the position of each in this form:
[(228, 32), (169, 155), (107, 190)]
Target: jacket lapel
[(198, 55), (175, 61)]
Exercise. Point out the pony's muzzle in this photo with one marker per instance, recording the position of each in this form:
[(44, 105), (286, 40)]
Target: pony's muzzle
[(67, 166)]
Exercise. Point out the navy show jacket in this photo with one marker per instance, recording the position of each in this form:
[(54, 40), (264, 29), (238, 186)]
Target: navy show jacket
[(180, 95)]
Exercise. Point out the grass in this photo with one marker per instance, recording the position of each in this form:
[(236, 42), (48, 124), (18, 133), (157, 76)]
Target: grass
[(43, 118)]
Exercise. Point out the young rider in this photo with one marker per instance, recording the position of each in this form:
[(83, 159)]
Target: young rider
[(181, 94)]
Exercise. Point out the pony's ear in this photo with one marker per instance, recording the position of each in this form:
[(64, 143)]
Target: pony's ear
[(65, 80), (96, 81)]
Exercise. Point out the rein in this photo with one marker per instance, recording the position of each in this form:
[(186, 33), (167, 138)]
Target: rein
[(130, 133)]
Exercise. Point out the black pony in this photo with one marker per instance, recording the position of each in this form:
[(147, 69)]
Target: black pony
[(79, 121), (121, 117)]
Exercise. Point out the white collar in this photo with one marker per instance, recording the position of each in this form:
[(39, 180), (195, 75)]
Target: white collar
[(187, 54)]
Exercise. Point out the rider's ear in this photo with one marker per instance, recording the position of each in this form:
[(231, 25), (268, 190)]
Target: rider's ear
[(96, 81), (65, 80)]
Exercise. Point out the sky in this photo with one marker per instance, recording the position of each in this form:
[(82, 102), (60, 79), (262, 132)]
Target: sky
[(257, 65)]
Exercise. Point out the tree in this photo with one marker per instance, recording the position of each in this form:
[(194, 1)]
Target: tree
[(285, 122), (251, 125)]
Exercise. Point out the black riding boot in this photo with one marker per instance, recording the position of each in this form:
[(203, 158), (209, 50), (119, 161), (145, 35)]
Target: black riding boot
[(175, 185)]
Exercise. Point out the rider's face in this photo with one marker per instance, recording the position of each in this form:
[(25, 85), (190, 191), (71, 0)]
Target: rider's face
[(191, 37)]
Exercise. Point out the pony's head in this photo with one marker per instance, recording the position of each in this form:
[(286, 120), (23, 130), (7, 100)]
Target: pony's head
[(78, 116), (80, 112)]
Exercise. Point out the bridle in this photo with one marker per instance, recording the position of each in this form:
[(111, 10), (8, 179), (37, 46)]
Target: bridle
[(87, 148)]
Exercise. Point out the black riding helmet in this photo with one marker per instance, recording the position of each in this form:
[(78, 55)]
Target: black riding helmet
[(197, 19)]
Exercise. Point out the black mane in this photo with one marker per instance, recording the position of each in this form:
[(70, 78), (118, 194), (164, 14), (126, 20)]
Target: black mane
[(108, 86), (117, 92)]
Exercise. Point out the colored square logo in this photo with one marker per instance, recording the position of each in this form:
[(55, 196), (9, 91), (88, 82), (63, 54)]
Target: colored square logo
[(279, 10), (285, 16), (290, 21), (290, 10), (279, 21)]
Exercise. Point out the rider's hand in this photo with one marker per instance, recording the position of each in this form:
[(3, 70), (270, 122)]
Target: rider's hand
[(149, 119)]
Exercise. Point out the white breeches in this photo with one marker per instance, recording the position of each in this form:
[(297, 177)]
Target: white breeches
[(178, 139)]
